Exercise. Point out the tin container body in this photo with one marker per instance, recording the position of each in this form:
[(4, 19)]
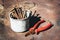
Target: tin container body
[(19, 25)]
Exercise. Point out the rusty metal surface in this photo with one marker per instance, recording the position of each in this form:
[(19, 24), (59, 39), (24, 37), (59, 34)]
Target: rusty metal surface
[(48, 9)]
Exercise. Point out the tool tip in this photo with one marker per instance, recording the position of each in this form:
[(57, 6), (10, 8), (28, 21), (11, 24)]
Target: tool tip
[(28, 33)]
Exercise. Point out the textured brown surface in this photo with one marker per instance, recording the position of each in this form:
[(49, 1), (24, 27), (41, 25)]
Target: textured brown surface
[(48, 9)]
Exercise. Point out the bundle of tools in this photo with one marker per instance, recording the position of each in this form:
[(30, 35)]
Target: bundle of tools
[(18, 13), (36, 30)]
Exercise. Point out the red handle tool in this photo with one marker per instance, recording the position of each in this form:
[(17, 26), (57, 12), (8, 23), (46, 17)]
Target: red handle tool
[(34, 27), (31, 30), (43, 27)]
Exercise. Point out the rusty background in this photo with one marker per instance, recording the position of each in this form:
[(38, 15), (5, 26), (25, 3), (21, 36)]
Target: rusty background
[(48, 9)]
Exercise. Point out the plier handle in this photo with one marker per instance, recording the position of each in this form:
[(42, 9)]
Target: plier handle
[(39, 29)]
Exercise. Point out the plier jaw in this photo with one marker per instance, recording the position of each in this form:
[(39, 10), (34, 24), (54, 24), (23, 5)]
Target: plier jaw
[(30, 32)]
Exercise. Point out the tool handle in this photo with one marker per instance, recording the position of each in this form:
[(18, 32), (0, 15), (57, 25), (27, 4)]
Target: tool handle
[(43, 27), (34, 27)]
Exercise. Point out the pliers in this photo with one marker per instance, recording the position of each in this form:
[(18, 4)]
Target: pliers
[(39, 29)]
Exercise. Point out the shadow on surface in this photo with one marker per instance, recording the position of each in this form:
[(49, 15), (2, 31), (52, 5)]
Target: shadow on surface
[(33, 19)]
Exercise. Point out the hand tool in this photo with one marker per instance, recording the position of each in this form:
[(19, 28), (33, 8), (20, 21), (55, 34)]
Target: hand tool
[(20, 14), (31, 30), (34, 13), (25, 16), (43, 28), (14, 13)]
